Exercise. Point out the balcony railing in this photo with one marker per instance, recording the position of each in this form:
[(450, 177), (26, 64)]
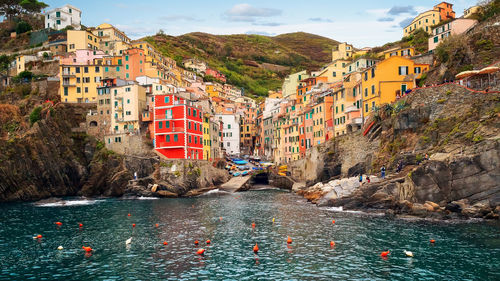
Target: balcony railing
[(351, 109), (163, 117), (67, 73), (357, 121), (68, 84)]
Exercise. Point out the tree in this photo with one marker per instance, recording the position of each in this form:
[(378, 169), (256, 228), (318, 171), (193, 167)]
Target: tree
[(22, 27), (11, 8), (4, 62)]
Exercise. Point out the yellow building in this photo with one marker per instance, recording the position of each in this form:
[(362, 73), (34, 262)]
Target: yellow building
[(347, 104), (402, 52), (112, 40), (207, 142), (334, 71), (127, 104), (342, 51), (387, 80), (213, 89), (291, 82), (471, 11), (82, 39), (21, 62), (424, 20), (78, 83)]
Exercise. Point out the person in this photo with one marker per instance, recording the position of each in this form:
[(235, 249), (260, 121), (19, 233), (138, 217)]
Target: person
[(426, 157), (382, 172), (360, 179), (368, 179), (400, 166)]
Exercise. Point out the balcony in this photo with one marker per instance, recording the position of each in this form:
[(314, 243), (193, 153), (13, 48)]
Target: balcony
[(68, 84), (351, 108), (163, 117), (357, 121), (68, 74)]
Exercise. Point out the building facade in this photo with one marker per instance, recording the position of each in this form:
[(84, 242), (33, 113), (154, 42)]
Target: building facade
[(60, 18)]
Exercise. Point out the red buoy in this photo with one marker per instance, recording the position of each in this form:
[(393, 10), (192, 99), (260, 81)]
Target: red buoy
[(385, 254), (332, 244), (87, 249), (133, 225), (39, 236), (58, 223), (200, 252), (129, 215), (208, 242), (156, 225), (256, 248), (165, 243), (80, 225), (253, 225), (196, 242), (289, 240), (333, 221), (432, 241)]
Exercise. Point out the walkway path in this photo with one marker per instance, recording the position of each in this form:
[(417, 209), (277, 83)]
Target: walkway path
[(235, 184)]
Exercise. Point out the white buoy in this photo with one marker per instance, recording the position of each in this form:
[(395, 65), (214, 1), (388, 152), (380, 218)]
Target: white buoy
[(60, 248), (408, 253), (128, 241)]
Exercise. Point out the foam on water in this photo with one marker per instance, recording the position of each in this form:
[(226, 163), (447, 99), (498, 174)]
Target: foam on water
[(147, 198), (214, 191), (68, 203)]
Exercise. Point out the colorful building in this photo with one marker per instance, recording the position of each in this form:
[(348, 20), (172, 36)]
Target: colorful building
[(60, 18), (128, 102), (469, 12), (423, 21), (82, 39), (291, 83), (445, 10), (334, 71), (230, 133), (347, 105), (388, 80), (178, 128), (454, 27), (207, 141), (398, 51), (342, 51)]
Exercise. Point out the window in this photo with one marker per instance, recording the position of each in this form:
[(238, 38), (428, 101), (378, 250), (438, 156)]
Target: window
[(128, 113), (418, 70), (403, 89), (86, 69), (373, 89), (189, 139), (334, 74), (229, 126), (373, 72), (86, 89), (176, 138), (160, 125), (403, 70), (106, 69), (77, 69), (366, 92), (78, 90), (126, 58), (128, 101), (168, 138), (65, 91), (436, 39), (167, 99), (58, 14), (126, 66)]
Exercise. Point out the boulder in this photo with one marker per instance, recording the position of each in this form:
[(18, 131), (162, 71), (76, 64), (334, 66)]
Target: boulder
[(418, 210), (453, 207), (298, 186)]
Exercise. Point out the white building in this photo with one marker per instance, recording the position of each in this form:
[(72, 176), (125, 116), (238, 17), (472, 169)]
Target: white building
[(230, 132), (66, 15)]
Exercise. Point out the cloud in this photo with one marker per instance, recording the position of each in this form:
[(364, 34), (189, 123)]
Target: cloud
[(248, 13), (398, 10), (405, 22), (267, 24), (385, 19), (179, 18), (320, 20), (260, 33), (137, 31)]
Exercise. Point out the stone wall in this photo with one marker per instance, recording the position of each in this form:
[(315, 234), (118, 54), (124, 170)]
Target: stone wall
[(129, 145)]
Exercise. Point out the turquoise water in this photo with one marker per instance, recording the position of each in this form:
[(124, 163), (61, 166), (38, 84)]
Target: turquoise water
[(463, 251)]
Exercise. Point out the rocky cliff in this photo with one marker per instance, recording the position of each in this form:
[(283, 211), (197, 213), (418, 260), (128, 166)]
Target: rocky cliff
[(459, 131)]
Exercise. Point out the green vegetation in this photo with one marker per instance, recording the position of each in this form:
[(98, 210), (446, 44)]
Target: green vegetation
[(419, 39), (490, 8), (36, 115), (11, 8), (99, 145), (441, 101), (24, 76), (255, 63), (22, 27)]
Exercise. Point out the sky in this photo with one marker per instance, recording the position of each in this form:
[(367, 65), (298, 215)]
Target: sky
[(363, 23)]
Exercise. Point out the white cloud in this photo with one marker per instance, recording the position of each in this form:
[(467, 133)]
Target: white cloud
[(248, 13)]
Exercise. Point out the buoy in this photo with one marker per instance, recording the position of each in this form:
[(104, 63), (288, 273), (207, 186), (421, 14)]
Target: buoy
[(58, 223), (256, 248), (80, 225), (156, 225), (200, 252), (87, 249), (385, 254), (165, 243), (253, 225), (196, 242), (432, 241), (273, 220), (39, 236), (333, 221), (289, 240), (208, 242), (133, 225), (60, 248), (332, 244), (408, 253), (129, 215), (220, 218), (128, 241)]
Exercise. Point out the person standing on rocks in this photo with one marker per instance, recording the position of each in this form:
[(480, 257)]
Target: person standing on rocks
[(360, 179), (382, 172), (400, 166)]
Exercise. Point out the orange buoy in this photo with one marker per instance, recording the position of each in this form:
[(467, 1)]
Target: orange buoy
[(289, 240), (333, 221), (39, 236), (129, 215), (332, 244), (385, 254), (87, 249), (200, 252), (165, 243), (208, 242), (432, 241), (133, 225), (220, 218), (256, 248), (58, 223), (253, 225), (156, 225), (80, 225), (196, 242)]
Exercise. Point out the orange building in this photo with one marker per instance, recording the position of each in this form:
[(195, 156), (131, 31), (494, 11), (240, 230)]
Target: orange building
[(445, 10), (133, 63)]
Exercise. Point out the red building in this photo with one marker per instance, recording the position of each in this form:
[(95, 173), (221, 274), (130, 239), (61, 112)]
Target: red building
[(216, 74), (178, 128)]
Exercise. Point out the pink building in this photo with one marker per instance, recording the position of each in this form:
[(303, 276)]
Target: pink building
[(216, 74), (82, 57), (456, 27)]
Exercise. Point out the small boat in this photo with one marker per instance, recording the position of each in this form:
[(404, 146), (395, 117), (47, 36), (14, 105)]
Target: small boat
[(244, 173), (237, 174)]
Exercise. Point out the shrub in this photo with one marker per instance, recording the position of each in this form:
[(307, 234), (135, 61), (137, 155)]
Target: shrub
[(441, 101), (22, 27), (36, 115), (99, 145)]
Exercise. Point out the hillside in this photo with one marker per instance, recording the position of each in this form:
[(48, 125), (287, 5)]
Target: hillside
[(235, 55)]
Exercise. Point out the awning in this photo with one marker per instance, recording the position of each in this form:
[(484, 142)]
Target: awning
[(488, 70), (465, 74)]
